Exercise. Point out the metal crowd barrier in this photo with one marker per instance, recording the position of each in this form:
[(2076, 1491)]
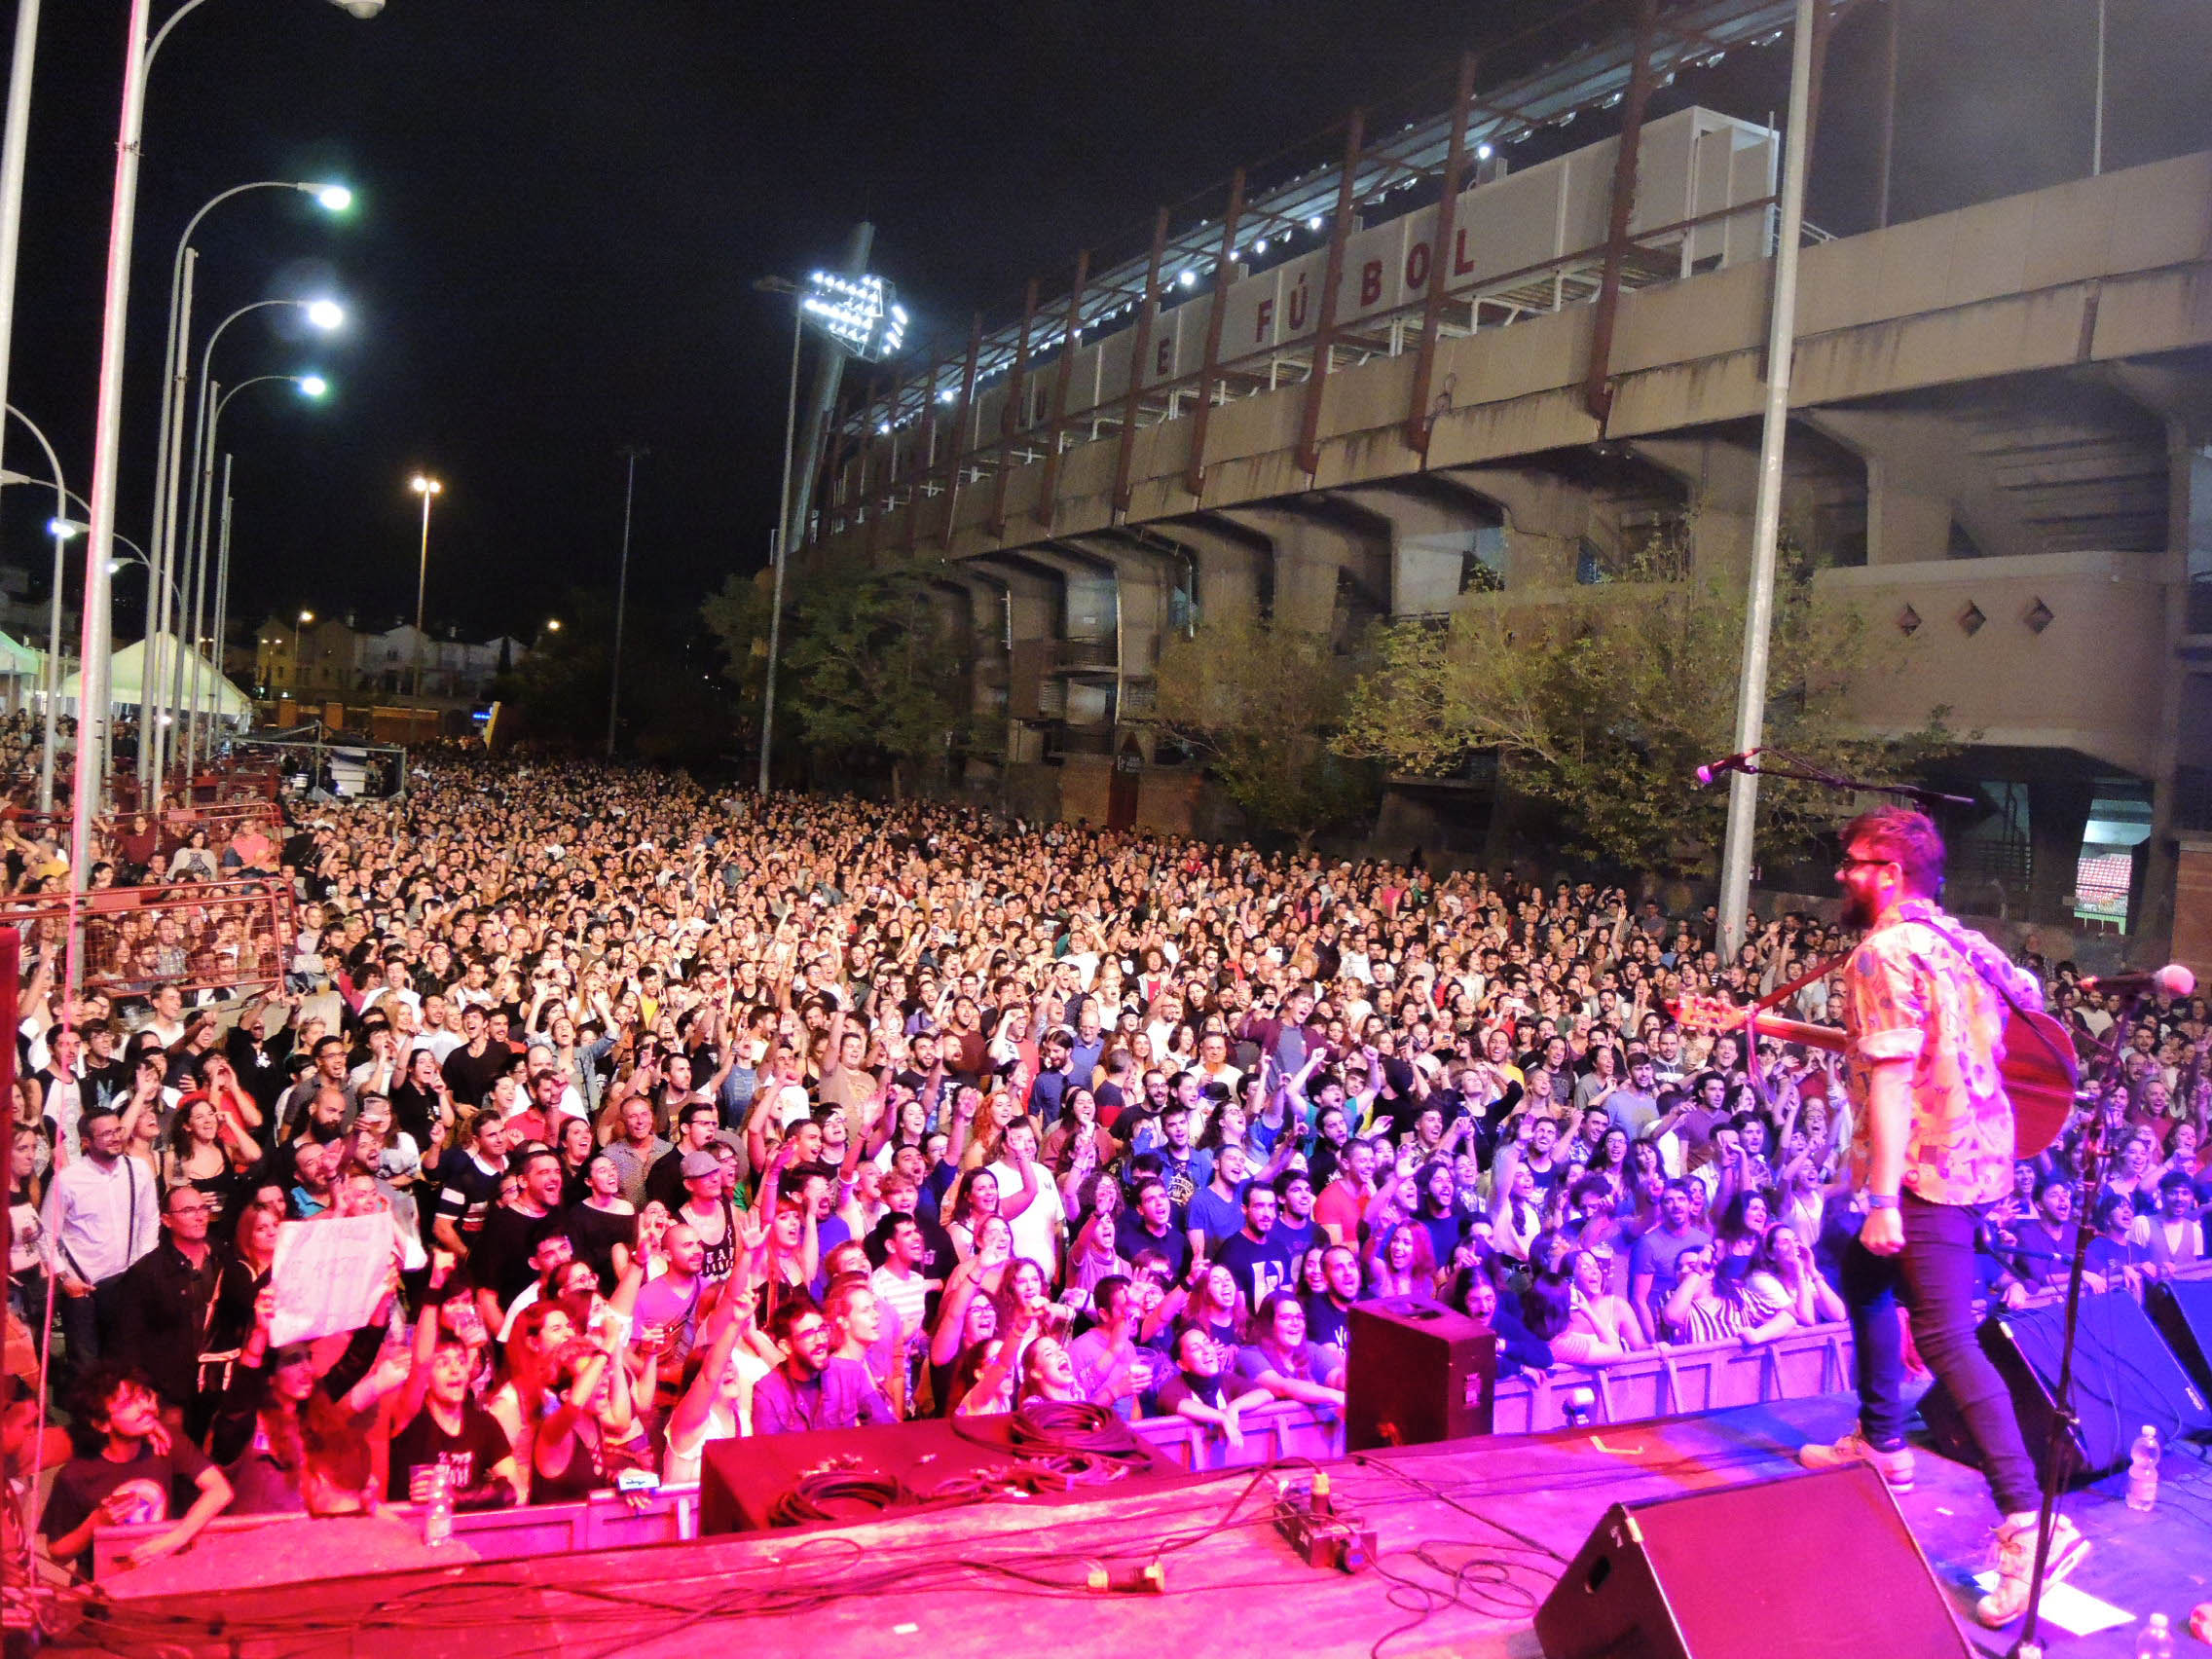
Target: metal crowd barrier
[(122, 928), (239, 1551), (1709, 1377)]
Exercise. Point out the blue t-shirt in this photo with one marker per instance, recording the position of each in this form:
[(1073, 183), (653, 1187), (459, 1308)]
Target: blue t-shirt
[(1215, 1216)]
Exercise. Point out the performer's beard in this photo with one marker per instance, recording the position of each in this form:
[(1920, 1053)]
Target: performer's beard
[(1859, 911)]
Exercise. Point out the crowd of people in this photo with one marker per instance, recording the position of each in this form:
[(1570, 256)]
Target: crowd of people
[(700, 1116)]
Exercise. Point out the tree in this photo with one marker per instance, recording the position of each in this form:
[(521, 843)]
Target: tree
[(1605, 705), (736, 614), (1261, 703), (868, 667)]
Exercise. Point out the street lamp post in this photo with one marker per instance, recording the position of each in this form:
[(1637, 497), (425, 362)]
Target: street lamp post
[(108, 437), (199, 564), (858, 316), (424, 486), (299, 653), (631, 451), (167, 461), (326, 315)]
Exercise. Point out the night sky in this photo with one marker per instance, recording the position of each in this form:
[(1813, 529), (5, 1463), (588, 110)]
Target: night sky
[(563, 205)]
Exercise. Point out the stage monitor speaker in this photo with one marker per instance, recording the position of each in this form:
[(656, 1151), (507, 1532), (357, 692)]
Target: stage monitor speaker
[(2125, 1375), (1750, 1572), (1417, 1373), (2182, 1309), (894, 1467)]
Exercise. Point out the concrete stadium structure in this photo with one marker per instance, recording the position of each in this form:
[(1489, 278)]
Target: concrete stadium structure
[(1998, 451)]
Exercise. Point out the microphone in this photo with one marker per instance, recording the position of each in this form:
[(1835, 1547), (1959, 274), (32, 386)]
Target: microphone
[(1729, 763), (2173, 980)]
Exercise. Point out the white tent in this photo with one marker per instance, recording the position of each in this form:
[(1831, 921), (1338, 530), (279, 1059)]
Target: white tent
[(127, 671), (19, 661)]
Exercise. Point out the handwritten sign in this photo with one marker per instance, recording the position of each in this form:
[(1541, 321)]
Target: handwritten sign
[(329, 1276)]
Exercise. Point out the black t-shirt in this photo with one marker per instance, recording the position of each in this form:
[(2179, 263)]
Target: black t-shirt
[(500, 1261), (1295, 1238), (1131, 1237), (467, 1192), (1259, 1266), (1206, 1390), (1325, 1322), (471, 1076), (472, 1454), (595, 1233), (161, 1486)]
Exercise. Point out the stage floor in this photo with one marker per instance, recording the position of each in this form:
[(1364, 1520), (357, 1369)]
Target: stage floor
[(1470, 1534)]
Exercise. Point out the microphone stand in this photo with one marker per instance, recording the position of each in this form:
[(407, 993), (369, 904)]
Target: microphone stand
[(2065, 1420), (1790, 766)]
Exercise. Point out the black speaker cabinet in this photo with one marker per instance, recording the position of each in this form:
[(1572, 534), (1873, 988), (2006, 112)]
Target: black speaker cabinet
[(1416, 1373), (2124, 1376), (1752, 1572), (934, 1460), (2182, 1309)]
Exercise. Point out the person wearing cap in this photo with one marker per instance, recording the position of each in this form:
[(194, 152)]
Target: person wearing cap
[(696, 1127), (709, 1212)]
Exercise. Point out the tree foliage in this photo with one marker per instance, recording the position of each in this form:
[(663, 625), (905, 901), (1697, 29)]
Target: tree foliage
[(866, 669), (1263, 704), (671, 709), (1605, 703)]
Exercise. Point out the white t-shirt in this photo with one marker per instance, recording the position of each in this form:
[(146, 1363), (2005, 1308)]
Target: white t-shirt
[(1035, 1235)]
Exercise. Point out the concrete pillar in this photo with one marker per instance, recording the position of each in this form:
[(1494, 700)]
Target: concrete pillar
[(1033, 605), (1310, 550), (1143, 579), (2059, 812), (1430, 536), (1546, 518), (1903, 526), (2192, 906), (1229, 566)]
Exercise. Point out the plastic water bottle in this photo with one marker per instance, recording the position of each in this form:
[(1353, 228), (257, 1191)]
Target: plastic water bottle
[(2156, 1640), (437, 1508), (2143, 1470)]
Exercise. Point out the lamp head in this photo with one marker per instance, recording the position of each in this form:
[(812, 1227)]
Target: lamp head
[(333, 198), (326, 313), (553, 626), (63, 530), (306, 616), (311, 386), (362, 9), (424, 485)]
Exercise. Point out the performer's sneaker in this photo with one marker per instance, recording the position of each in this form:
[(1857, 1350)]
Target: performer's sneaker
[(1854, 1447), (2016, 1565)]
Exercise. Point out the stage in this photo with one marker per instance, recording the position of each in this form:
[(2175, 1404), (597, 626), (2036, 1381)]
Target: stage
[(1470, 1535)]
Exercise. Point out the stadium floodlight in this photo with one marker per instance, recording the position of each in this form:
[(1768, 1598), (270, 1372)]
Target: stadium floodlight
[(860, 314)]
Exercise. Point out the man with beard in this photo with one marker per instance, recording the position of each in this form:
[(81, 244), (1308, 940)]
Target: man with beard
[(1924, 1014)]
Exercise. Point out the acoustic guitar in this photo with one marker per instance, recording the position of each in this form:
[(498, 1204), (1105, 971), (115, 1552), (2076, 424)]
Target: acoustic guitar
[(2039, 1068)]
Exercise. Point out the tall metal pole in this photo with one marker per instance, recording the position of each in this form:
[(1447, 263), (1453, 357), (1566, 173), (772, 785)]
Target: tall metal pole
[(1889, 110), (827, 379), (1766, 522), (422, 589), (188, 592), (2097, 135), (630, 453), (223, 592), (99, 544), (14, 146), (169, 465), (213, 690), (776, 553)]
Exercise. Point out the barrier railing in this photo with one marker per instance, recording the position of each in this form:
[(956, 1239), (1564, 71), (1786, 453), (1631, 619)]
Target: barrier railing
[(219, 935), (1705, 1378)]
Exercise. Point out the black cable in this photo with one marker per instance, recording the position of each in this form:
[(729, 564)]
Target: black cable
[(854, 1492)]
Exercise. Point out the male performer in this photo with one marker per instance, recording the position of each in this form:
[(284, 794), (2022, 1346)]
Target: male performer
[(1933, 1147)]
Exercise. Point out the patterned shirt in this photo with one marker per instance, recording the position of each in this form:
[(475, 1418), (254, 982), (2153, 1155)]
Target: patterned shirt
[(1919, 989)]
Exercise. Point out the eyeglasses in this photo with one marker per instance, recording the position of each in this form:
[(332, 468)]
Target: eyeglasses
[(1849, 861)]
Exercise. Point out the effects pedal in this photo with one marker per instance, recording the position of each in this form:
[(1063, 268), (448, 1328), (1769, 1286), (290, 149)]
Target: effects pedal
[(1323, 1535)]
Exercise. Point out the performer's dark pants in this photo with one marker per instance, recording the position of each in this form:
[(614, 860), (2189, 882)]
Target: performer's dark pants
[(1933, 1276)]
